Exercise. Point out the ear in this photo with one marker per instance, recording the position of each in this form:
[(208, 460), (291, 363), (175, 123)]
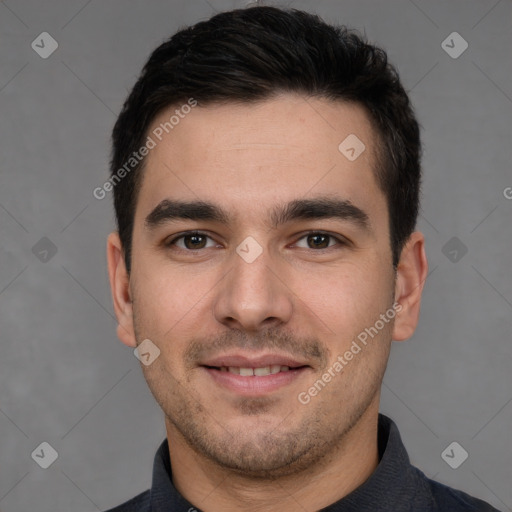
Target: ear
[(410, 278), (120, 288)]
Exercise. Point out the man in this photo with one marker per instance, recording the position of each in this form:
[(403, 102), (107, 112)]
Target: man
[(266, 172)]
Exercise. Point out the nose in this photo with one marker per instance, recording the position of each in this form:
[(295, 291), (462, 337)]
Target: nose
[(254, 294)]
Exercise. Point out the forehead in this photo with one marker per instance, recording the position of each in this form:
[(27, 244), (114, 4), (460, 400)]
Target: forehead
[(248, 155)]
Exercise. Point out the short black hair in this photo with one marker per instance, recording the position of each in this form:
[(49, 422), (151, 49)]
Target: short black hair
[(252, 54)]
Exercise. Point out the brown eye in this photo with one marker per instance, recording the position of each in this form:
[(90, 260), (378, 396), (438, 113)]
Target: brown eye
[(194, 241), (319, 240), (190, 241)]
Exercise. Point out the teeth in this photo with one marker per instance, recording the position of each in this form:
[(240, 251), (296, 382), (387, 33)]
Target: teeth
[(259, 372)]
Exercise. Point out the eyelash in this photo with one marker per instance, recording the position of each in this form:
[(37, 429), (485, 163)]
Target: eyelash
[(172, 242)]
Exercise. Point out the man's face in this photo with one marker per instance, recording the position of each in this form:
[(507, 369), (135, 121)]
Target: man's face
[(249, 293)]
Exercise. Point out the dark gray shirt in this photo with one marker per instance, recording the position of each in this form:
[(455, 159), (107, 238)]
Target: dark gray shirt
[(394, 486)]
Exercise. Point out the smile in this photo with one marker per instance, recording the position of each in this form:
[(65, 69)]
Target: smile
[(259, 381), (259, 372)]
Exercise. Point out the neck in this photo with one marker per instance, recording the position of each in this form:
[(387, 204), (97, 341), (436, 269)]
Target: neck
[(349, 464)]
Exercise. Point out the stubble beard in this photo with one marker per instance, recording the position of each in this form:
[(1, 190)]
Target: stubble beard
[(278, 449)]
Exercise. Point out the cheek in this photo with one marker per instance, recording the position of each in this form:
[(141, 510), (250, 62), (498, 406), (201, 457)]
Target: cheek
[(170, 305), (344, 301)]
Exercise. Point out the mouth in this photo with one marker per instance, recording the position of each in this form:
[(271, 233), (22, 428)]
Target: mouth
[(261, 371), (256, 377)]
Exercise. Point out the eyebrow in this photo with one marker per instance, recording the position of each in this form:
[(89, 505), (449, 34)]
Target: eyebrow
[(298, 209)]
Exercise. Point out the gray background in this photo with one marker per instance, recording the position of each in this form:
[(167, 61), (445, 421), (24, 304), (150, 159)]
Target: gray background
[(67, 380)]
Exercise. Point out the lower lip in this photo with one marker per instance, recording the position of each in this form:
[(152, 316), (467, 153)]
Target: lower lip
[(255, 385)]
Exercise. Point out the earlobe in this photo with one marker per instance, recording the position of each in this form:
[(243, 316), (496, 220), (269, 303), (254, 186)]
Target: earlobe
[(120, 289), (411, 274)]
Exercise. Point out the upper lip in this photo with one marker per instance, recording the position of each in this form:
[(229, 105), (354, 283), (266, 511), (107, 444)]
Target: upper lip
[(244, 361)]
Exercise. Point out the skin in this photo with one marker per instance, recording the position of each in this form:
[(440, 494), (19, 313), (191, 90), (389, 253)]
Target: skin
[(266, 453)]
